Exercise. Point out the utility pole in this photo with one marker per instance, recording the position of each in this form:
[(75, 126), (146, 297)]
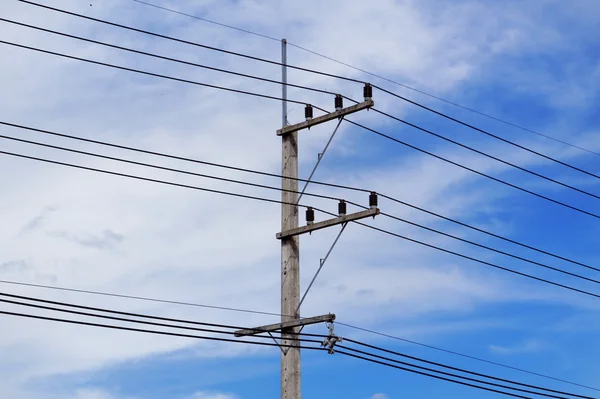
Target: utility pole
[(291, 323), (290, 250)]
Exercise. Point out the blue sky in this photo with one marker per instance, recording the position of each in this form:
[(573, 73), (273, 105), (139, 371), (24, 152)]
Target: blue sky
[(535, 64)]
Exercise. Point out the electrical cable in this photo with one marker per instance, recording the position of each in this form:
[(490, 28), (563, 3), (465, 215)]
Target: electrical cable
[(488, 133), (166, 58), (531, 172), (84, 323), (432, 375), (475, 171), (454, 369), (157, 75), (479, 260), (372, 74), (182, 171), (281, 176), (151, 180), (466, 356), (139, 315)]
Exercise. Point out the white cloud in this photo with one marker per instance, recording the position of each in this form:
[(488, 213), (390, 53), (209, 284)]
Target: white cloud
[(76, 229), (531, 346), (212, 395), (379, 396)]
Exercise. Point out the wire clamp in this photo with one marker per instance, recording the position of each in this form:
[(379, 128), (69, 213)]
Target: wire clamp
[(331, 339)]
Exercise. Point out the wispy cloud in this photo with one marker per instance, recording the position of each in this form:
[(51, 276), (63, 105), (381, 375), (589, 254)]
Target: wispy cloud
[(532, 346)]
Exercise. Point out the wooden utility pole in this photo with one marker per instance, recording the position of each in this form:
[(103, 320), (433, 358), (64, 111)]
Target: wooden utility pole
[(290, 251), (291, 322)]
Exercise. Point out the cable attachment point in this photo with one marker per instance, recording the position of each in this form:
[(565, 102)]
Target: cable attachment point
[(368, 92), (342, 208), (308, 112), (310, 216), (373, 200), (331, 339), (339, 102)]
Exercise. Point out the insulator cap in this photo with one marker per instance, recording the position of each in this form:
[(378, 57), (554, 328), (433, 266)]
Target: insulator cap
[(339, 102), (368, 91), (310, 215), (308, 112), (373, 199), (342, 208)]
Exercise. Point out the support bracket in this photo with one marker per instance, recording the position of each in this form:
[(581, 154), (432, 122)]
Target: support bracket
[(325, 118), (328, 223), (286, 324)]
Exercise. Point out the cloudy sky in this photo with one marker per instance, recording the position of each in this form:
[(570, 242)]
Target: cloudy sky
[(533, 63)]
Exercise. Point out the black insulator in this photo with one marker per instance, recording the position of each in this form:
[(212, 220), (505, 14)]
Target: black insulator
[(310, 215), (373, 200), (339, 102), (308, 112), (368, 91), (342, 207)]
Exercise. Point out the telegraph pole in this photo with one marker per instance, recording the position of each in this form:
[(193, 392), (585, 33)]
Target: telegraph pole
[(291, 323), (290, 250)]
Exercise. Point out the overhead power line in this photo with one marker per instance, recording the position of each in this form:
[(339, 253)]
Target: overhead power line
[(574, 208), (466, 356), (395, 82), (439, 377), (531, 172), (156, 75), (171, 156), (182, 303), (179, 61), (392, 352), (297, 192), (487, 133), (153, 166), (245, 196)]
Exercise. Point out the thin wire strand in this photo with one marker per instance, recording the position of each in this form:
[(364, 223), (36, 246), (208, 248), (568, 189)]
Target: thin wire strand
[(196, 44), (476, 171), (154, 55), (170, 156), (531, 172), (374, 75), (149, 179), (341, 352), (186, 172), (171, 334), (454, 369), (156, 75), (179, 158), (480, 261), (465, 356), (132, 314), (470, 126)]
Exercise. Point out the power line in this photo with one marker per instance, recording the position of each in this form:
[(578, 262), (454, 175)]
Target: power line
[(171, 334), (341, 352), (466, 356), (309, 194), (139, 298), (170, 156), (478, 260), (186, 172), (132, 314), (172, 302), (179, 158), (154, 55), (147, 179), (470, 126), (196, 44), (454, 369), (374, 75), (487, 155), (474, 171), (488, 233), (157, 75)]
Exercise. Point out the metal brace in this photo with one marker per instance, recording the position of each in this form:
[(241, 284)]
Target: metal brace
[(331, 340)]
